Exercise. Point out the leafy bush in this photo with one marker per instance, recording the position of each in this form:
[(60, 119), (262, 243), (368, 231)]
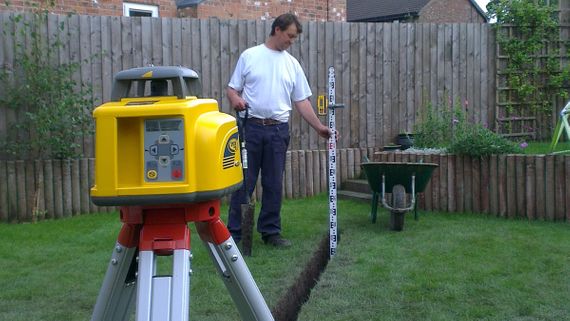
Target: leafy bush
[(448, 128), (478, 141), (438, 127), (53, 110)]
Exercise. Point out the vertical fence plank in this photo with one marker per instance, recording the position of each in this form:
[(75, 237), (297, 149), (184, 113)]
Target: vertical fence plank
[(48, 188), (476, 200), (549, 187), (309, 173), (484, 185), (21, 190), (66, 187), (511, 186), (317, 172), (387, 105), (468, 184), (370, 91), (75, 187), (432, 189), (39, 200), (530, 187), (325, 167), (302, 186), (540, 179), (295, 173), (91, 170), (520, 188), (31, 191), (559, 178), (3, 186), (502, 183), (84, 186), (57, 188), (459, 189), (493, 185), (450, 184), (127, 43), (12, 191), (108, 58), (167, 46)]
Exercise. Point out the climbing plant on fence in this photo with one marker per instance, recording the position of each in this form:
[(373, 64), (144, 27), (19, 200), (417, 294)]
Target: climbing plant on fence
[(51, 109), (532, 69)]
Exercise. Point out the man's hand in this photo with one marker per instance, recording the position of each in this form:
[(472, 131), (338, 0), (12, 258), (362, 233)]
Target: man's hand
[(236, 101)]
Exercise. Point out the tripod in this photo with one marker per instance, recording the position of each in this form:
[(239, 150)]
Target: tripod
[(162, 230)]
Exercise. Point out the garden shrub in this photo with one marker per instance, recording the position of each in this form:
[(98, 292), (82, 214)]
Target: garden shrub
[(448, 128), (53, 110)]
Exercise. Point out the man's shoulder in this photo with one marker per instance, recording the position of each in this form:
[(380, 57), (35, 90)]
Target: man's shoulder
[(254, 50)]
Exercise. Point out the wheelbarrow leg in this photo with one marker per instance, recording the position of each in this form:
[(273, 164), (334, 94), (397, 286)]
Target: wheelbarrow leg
[(374, 207), (416, 209)]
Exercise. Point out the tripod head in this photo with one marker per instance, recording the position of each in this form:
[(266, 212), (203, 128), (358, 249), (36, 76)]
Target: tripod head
[(158, 143)]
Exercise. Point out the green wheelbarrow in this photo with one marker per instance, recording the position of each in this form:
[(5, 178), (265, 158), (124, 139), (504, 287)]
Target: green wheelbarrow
[(399, 179)]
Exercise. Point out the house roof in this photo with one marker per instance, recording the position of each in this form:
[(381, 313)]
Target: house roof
[(389, 10)]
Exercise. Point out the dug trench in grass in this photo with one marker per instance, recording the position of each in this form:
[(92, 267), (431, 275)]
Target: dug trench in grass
[(289, 305)]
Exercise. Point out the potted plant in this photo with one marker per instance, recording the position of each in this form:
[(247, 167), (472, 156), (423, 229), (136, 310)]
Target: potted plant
[(406, 140)]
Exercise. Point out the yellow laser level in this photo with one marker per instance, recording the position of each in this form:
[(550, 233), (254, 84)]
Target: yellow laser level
[(158, 143)]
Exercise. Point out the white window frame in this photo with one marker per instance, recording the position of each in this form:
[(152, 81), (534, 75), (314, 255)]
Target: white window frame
[(128, 6)]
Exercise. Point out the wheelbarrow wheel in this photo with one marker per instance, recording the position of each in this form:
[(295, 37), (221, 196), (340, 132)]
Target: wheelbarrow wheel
[(398, 201)]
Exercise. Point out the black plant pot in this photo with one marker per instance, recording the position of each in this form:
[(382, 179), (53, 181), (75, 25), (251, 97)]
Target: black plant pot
[(405, 140)]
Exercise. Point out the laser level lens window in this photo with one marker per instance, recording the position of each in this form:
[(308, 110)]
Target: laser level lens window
[(170, 125), (152, 126)]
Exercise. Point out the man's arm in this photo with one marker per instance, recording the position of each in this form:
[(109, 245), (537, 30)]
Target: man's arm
[(306, 110), (236, 102)]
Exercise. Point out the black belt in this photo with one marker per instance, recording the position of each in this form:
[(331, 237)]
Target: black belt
[(265, 121)]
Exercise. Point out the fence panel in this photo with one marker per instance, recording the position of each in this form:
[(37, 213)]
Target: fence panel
[(386, 73)]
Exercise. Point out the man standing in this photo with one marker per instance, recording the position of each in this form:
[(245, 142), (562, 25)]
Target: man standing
[(268, 81)]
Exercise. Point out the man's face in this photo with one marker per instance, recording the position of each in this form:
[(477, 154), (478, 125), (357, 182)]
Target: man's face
[(285, 38)]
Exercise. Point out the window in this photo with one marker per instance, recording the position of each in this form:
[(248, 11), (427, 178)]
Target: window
[(139, 10)]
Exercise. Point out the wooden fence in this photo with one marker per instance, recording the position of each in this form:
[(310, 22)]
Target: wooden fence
[(38, 190), (387, 73), (512, 186)]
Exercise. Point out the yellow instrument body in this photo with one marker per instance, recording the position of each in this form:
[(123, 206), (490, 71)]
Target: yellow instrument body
[(164, 149)]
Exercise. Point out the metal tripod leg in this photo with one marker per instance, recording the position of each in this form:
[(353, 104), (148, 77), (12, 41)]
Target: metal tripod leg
[(117, 294), (239, 281), (163, 298)]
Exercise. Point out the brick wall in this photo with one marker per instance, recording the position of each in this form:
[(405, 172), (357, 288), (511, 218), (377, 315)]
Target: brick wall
[(307, 10), (167, 8), (450, 11)]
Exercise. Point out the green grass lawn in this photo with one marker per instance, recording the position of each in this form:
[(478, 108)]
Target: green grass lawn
[(441, 267), (445, 267), (544, 148)]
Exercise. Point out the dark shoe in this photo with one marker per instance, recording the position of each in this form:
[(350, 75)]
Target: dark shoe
[(276, 240)]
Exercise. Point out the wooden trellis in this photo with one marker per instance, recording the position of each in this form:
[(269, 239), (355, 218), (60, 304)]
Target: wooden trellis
[(516, 116)]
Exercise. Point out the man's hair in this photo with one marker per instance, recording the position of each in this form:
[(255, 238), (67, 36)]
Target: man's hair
[(284, 21)]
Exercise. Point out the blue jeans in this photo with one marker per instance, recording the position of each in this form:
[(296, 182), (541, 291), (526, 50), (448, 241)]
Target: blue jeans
[(266, 149)]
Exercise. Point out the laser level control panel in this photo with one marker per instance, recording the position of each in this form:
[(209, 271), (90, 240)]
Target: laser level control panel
[(164, 145)]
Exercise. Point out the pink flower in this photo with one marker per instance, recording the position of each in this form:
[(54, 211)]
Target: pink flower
[(523, 145)]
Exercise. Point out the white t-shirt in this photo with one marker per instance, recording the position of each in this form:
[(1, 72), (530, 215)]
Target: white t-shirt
[(269, 81)]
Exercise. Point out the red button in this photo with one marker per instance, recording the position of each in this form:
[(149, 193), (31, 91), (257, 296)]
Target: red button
[(176, 173)]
